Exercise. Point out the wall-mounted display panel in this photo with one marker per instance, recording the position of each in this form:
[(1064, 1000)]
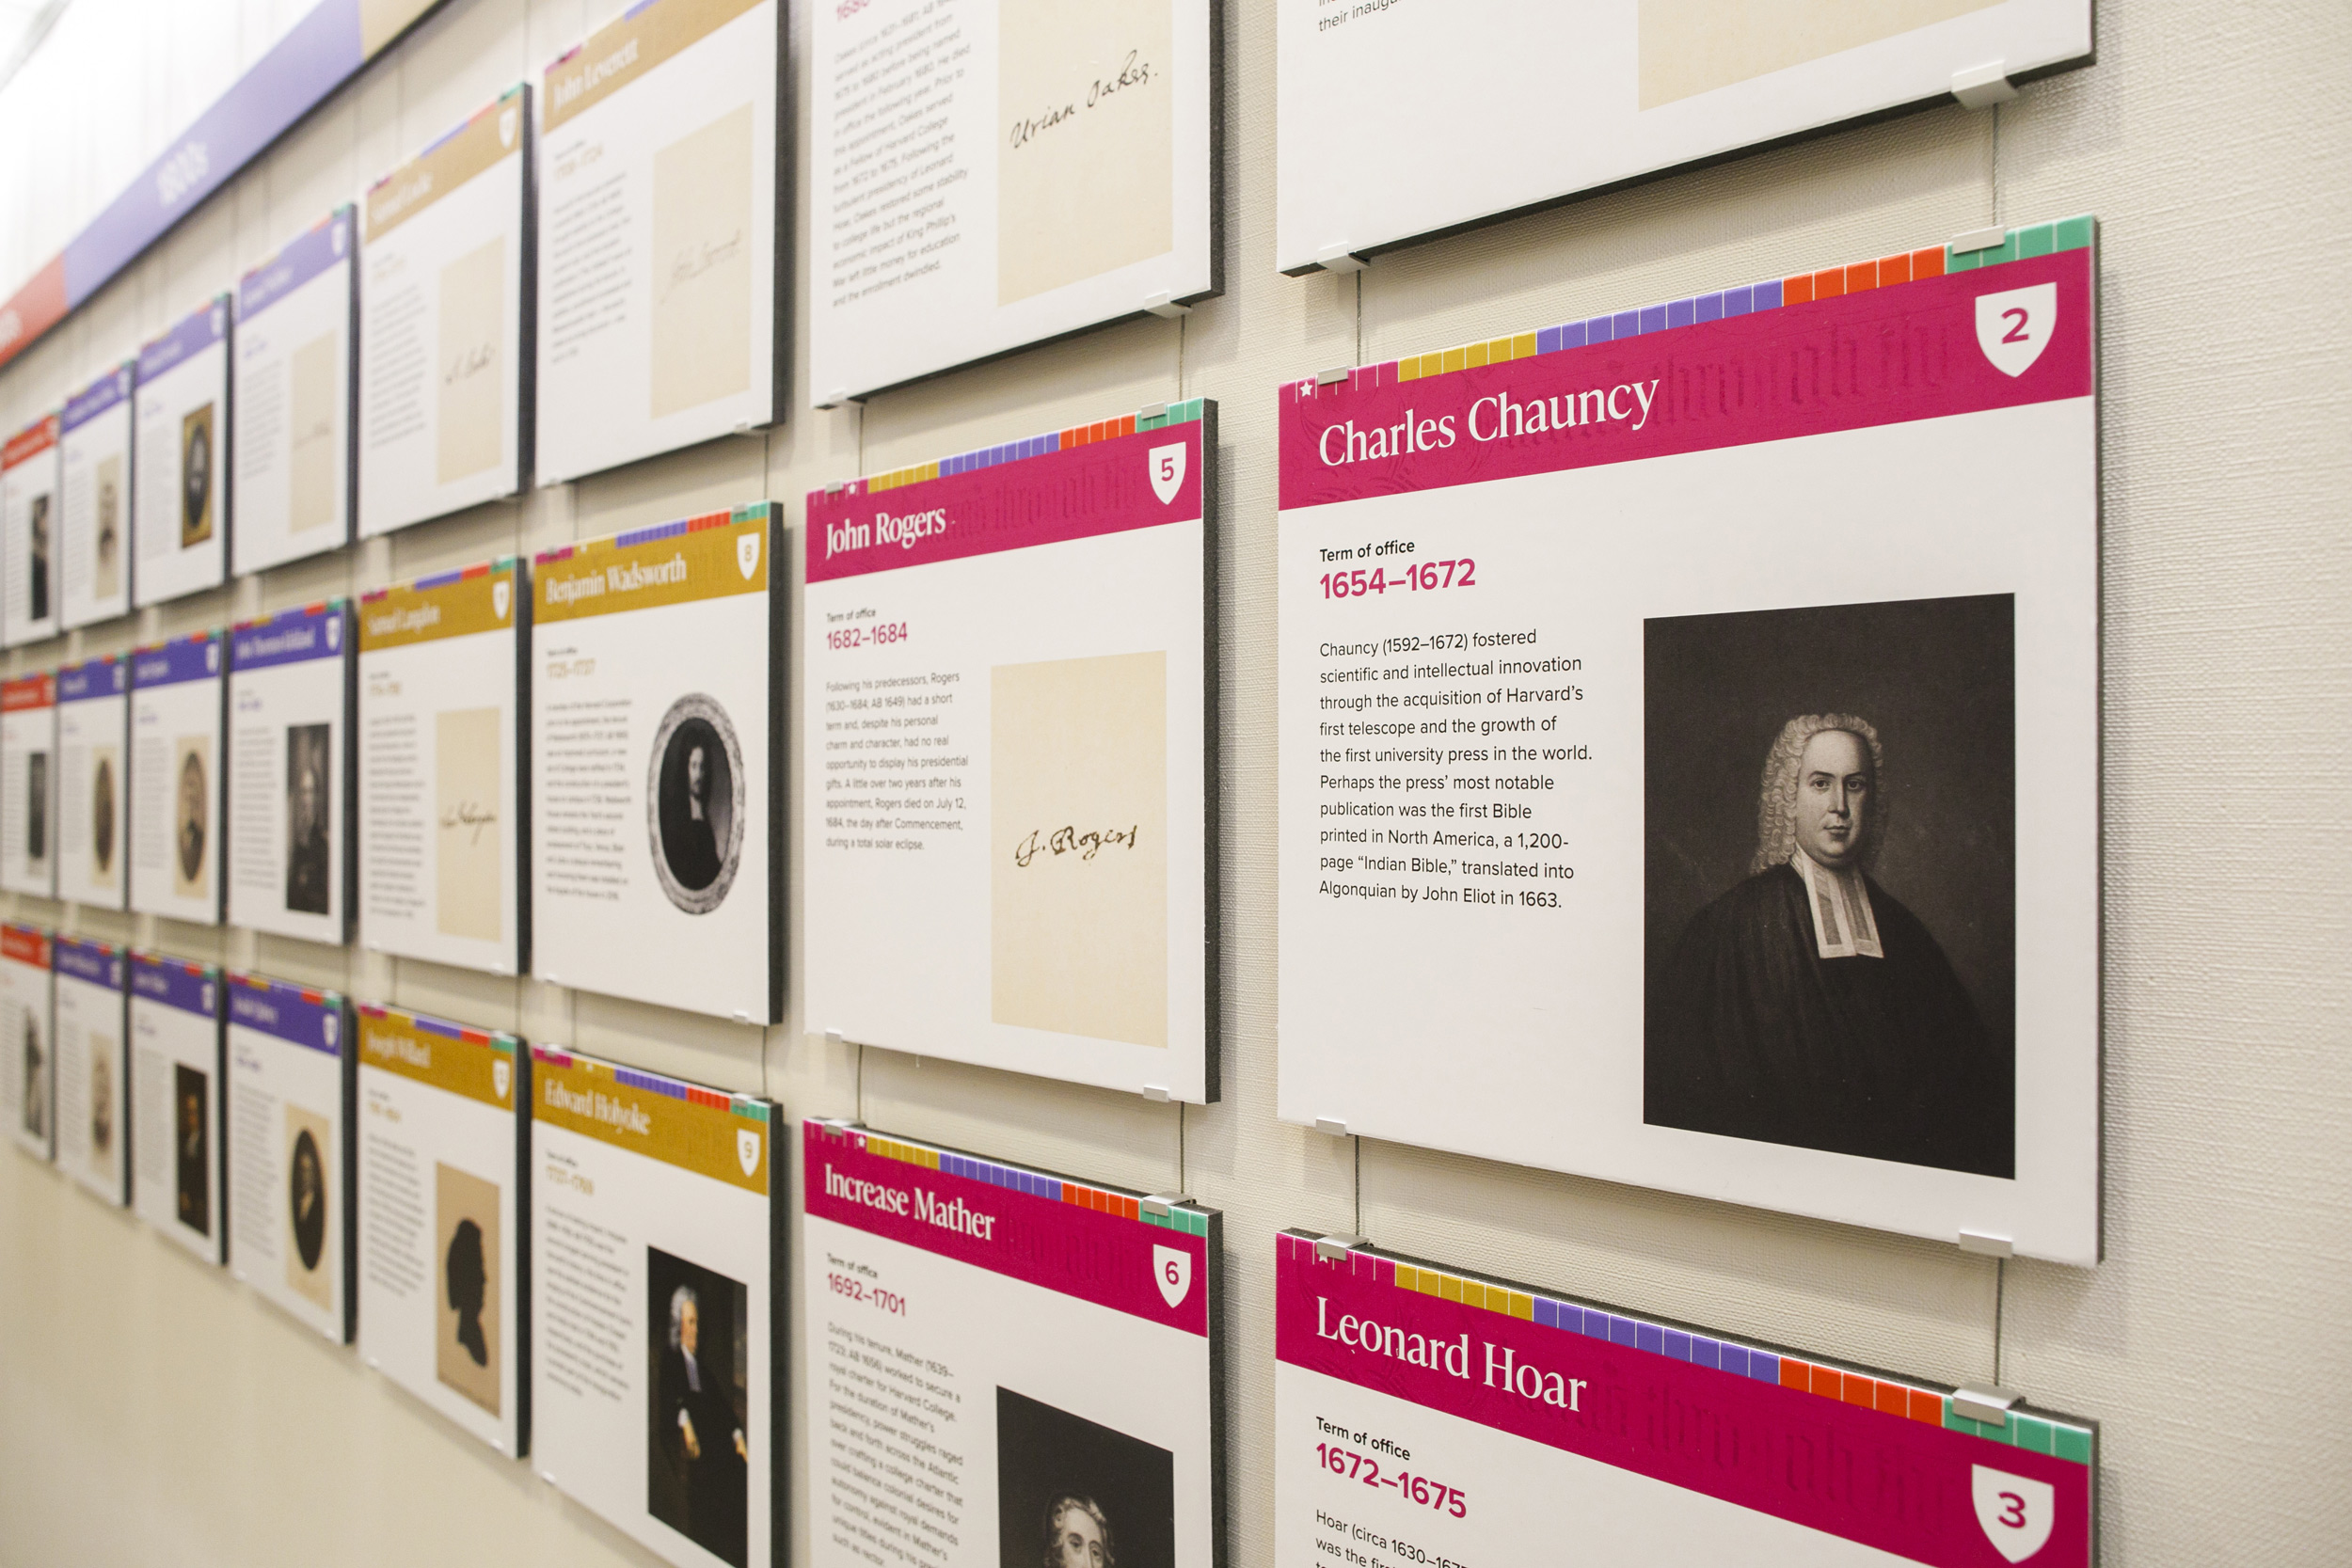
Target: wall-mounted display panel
[(441, 1185), (94, 509), (1627, 89), (29, 521), (1074, 1331), (991, 175), (1011, 767), (662, 287), (29, 1071), (178, 1066), (93, 1076), (1707, 853), (291, 1086), (28, 785), (290, 830), (656, 723), (180, 506), (297, 318), (178, 761), (1432, 1416), (445, 324), (658, 1326), (442, 802), (93, 783)]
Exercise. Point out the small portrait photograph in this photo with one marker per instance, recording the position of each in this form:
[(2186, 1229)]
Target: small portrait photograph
[(106, 566), (698, 1450), (36, 811), (192, 1148), (308, 1191), (191, 814), (466, 1241), (103, 826), (36, 1101), (196, 477), (694, 797), (309, 777), (102, 1103), (36, 561), (1831, 879), (1072, 1493)]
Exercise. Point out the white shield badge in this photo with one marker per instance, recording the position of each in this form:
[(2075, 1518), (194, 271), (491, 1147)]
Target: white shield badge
[(334, 631), (506, 128), (1172, 1271), (330, 1027), (2017, 1513), (499, 594), (1168, 471), (747, 1149), (747, 554), (2015, 327), (500, 1071)]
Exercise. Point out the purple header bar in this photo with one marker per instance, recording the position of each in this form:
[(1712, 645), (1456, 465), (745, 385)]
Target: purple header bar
[(182, 658), (99, 677), (190, 986), (107, 391), (325, 247), (94, 961), (290, 637), (208, 324), (310, 1018)]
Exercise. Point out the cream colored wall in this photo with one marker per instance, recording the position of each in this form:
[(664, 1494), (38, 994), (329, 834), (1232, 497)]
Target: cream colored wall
[(151, 1412)]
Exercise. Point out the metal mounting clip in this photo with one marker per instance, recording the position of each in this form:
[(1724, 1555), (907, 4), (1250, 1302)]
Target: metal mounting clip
[(1165, 306), (1338, 258), (1980, 86), (1987, 1406), (1330, 1249)]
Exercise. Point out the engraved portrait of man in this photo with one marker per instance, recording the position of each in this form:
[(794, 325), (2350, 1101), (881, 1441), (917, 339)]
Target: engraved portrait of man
[(1808, 1005)]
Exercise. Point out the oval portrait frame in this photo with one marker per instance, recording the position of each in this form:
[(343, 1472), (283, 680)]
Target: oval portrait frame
[(694, 704)]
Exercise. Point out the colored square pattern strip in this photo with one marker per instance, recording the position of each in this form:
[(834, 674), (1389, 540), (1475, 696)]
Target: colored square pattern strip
[(1015, 1178)]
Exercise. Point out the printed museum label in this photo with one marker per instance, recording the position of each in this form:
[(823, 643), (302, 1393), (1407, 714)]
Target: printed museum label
[(29, 519), (1424, 1414), (28, 785), (93, 1081), (28, 1071), (292, 386), (1691, 717), (1008, 733), (177, 792), (290, 732)]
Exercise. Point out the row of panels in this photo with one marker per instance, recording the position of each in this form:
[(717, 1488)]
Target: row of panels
[(587, 1264), (1670, 719)]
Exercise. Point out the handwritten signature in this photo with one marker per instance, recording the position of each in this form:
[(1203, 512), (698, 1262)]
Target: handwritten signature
[(469, 363), (1070, 841), (699, 259), (1133, 72), (470, 814)]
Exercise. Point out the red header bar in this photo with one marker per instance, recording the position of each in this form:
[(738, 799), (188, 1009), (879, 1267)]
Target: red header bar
[(30, 692), (31, 441)]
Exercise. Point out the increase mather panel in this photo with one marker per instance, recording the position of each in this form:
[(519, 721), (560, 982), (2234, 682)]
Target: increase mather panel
[(999, 172), (294, 383), (441, 1204), (657, 740), (93, 1077), (178, 1067), (1072, 1335), (441, 797), (1011, 770), (93, 783), (661, 278), (94, 511), (177, 766), (445, 323), (1708, 854), (1424, 1414), (657, 1328), (28, 533), (1393, 122), (290, 832), (179, 507), (290, 1129)]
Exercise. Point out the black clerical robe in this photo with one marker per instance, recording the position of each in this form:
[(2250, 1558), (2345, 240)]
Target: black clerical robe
[(1753, 1035)]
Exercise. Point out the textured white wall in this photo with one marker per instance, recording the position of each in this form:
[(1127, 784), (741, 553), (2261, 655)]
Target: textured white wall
[(151, 1412)]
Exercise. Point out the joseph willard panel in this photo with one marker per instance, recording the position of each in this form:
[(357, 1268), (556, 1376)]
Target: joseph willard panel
[(656, 675)]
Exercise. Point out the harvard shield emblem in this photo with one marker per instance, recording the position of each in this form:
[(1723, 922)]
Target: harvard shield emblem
[(1168, 471), (747, 554), (501, 592), (1171, 1271), (2017, 1513), (502, 1072), (747, 1149), (2015, 327), (506, 128)]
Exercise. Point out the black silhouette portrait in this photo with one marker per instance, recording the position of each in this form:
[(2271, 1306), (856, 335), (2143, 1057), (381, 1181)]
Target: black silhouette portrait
[(697, 805), (1808, 1005), (309, 776), (1072, 1493), (699, 1449), (306, 1182), (192, 1149), (465, 1278)]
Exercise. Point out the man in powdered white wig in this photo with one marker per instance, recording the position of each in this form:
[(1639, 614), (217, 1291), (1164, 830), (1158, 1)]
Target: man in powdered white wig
[(1807, 1006)]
